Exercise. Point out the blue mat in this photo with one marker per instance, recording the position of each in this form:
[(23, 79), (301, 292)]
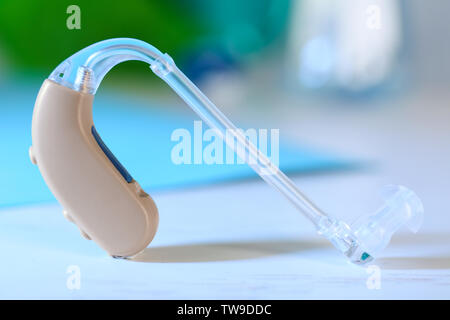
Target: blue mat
[(138, 132)]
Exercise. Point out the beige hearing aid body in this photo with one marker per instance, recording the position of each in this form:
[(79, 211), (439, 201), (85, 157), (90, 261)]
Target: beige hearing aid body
[(118, 215)]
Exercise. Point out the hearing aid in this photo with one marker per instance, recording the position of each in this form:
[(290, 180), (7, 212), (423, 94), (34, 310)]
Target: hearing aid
[(108, 205)]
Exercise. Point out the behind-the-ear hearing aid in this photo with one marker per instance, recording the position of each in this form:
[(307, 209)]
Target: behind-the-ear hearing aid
[(109, 206)]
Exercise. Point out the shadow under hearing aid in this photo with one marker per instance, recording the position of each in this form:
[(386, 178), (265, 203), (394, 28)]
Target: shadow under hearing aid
[(228, 251), (224, 251), (416, 263)]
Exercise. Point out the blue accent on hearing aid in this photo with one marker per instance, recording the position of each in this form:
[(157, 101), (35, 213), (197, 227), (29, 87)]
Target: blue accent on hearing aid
[(111, 156)]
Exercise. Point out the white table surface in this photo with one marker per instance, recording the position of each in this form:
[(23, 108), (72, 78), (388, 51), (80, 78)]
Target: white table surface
[(244, 241)]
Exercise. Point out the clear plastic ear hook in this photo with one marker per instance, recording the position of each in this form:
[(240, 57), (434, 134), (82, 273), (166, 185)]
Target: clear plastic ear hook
[(360, 243)]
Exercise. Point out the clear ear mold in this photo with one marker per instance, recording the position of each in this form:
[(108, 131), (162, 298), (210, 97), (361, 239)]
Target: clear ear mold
[(370, 234), (360, 242)]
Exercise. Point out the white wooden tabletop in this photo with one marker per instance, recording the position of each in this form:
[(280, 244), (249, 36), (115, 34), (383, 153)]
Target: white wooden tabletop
[(244, 241)]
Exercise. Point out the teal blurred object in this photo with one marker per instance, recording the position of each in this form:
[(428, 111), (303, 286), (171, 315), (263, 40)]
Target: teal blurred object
[(243, 27), (140, 138)]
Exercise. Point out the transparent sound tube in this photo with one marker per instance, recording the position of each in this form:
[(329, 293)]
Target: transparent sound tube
[(361, 242)]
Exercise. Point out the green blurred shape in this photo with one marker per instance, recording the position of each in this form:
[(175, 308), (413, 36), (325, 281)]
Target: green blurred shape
[(243, 26), (34, 35)]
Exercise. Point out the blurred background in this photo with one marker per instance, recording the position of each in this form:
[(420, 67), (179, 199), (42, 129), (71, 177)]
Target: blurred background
[(359, 90), (366, 81), (350, 46)]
